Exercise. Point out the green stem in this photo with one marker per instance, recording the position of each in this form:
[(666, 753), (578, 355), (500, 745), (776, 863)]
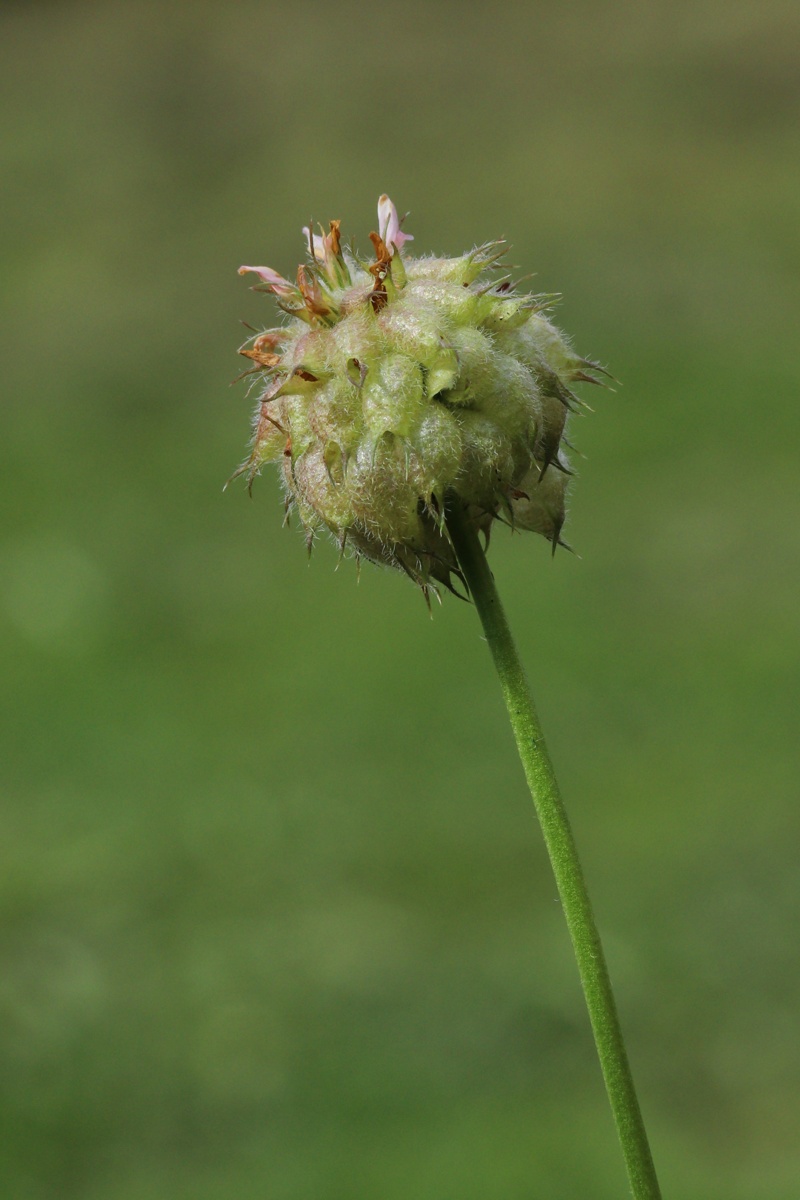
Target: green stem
[(563, 856)]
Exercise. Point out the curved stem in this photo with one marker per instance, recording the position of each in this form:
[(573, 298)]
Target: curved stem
[(563, 856)]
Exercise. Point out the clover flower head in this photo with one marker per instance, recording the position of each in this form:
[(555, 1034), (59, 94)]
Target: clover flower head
[(398, 385)]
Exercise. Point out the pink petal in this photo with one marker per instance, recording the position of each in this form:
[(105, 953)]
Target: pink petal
[(279, 285), (389, 225)]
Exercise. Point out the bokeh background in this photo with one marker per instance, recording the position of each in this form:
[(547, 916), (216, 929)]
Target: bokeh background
[(276, 917)]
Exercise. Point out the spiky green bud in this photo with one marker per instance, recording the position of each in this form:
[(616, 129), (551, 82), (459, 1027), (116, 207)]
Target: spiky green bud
[(399, 382)]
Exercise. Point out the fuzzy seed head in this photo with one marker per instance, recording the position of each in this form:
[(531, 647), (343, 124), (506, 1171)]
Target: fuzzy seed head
[(396, 384)]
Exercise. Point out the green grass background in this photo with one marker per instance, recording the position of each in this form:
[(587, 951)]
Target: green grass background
[(276, 918)]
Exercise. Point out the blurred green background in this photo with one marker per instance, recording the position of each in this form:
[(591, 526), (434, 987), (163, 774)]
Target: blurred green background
[(276, 918)]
